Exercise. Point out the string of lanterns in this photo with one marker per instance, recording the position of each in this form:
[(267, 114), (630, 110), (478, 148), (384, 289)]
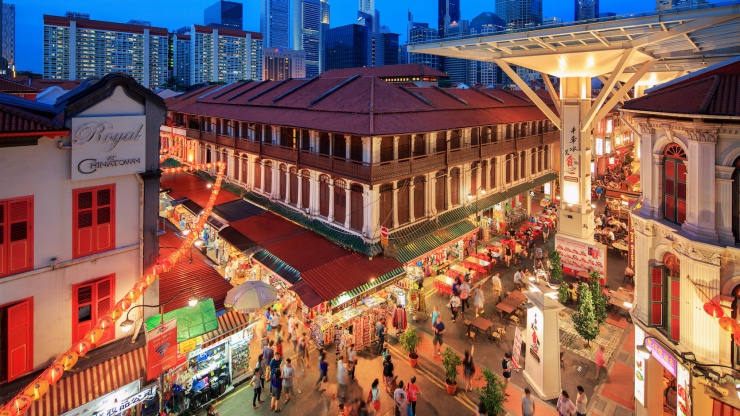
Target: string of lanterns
[(37, 388), (713, 309), (168, 152)]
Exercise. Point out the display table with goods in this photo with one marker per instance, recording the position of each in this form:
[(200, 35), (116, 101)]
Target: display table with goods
[(354, 324)]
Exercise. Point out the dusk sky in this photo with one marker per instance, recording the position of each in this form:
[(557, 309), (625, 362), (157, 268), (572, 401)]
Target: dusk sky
[(174, 14)]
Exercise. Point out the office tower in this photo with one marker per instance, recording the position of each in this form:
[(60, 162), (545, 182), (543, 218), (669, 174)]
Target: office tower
[(389, 47), (606, 14), (7, 37), (181, 57), (586, 9), (677, 4), (308, 35), (520, 13), (77, 15), (486, 73), (224, 14), (346, 47), (458, 69), (275, 23), (448, 12), (82, 48), (419, 33), (281, 64), (367, 6), (224, 55)]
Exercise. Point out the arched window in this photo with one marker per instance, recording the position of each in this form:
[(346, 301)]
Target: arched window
[(293, 173), (283, 180), (533, 161), (483, 176), (474, 168), (404, 214), (386, 205), (268, 178), (440, 189), (522, 164), (674, 184), (508, 167), (455, 186), (258, 173), (244, 171), (419, 196), (357, 216), (546, 157), (305, 188), (340, 201), (494, 173), (665, 296), (539, 158), (324, 195)]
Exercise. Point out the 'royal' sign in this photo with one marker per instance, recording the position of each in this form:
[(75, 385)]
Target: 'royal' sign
[(108, 146)]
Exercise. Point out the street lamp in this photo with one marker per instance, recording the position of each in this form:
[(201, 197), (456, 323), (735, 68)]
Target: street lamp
[(470, 198)]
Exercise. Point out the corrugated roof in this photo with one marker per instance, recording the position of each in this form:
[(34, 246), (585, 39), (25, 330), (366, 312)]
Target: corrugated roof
[(278, 266), (14, 87), (436, 239), (15, 119), (198, 275), (185, 185), (237, 210), (353, 271)]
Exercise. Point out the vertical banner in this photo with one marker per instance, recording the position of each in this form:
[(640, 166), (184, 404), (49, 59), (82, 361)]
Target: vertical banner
[(161, 346), (516, 353), (683, 385), (639, 367)]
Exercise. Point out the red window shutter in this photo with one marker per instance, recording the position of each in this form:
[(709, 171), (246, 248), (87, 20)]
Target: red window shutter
[(104, 300), (82, 310), (670, 167), (20, 237), (93, 220), (3, 242), (105, 216), (656, 295), (82, 241), (675, 332), (670, 208), (20, 339)]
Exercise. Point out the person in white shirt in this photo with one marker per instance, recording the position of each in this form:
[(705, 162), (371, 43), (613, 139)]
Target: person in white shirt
[(565, 407), (519, 279), (342, 378), (496, 280), (581, 402)]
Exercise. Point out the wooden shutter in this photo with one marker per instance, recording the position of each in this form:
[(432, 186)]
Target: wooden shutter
[(340, 202), (268, 178), (386, 205), (245, 170), (283, 182), (257, 174), (440, 185), (83, 238), (669, 190), (404, 213), (305, 190), (103, 301), (293, 186), (657, 295), (20, 339), (681, 193), (455, 187), (357, 218), (324, 197), (483, 176), (90, 302), (419, 197), (674, 329), (105, 218), (533, 161), (16, 235), (494, 167), (474, 178)]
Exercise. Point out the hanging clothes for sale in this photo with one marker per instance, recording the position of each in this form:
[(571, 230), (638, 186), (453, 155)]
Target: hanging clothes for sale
[(399, 319)]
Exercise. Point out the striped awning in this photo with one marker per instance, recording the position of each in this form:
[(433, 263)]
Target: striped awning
[(77, 389), (228, 323)]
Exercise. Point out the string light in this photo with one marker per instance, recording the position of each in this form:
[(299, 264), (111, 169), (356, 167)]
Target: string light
[(22, 402)]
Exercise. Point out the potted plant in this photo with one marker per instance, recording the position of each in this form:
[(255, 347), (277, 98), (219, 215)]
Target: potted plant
[(450, 361), (409, 340), (556, 270), (493, 394)]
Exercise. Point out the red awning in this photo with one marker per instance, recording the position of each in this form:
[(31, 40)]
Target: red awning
[(634, 178), (198, 275), (624, 150), (72, 392), (185, 185)]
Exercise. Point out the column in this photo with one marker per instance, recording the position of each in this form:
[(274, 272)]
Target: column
[(314, 194), (348, 143), (431, 145), (395, 196), (487, 174), (448, 180), (477, 178), (528, 201), (368, 217), (367, 149), (430, 195), (262, 176), (287, 185), (576, 217), (395, 147), (411, 200), (331, 200), (723, 208), (413, 138), (300, 192), (347, 207), (700, 202)]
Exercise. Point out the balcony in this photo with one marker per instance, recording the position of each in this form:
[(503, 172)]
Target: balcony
[(498, 148), (248, 146), (208, 137), (457, 156), (287, 154), (225, 140), (193, 134)]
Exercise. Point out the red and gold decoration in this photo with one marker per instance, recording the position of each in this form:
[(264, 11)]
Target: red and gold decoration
[(37, 388)]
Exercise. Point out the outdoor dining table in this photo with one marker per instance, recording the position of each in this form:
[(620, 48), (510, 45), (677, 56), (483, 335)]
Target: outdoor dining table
[(483, 263), (482, 325), (511, 302), (622, 298), (462, 270), (445, 280)]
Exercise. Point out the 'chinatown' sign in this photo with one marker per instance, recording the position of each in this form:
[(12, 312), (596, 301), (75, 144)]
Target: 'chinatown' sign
[(108, 146)]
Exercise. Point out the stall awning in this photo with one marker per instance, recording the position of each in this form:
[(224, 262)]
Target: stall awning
[(216, 222), (277, 266), (194, 188), (431, 242), (74, 391), (191, 206), (191, 321), (238, 240), (237, 210), (307, 295), (200, 275), (228, 323)]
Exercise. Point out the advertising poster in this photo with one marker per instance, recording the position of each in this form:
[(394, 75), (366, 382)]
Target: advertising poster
[(516, 353), (682, 383), (580, 256), (639, 367), (161, 346), (534, 332)]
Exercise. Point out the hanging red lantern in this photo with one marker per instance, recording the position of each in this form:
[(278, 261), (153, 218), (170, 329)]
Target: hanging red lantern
[(37, 389), (115, 313), (150, 279), (54, 373), (5, 413), (158, 269), (142, 285), (726, 324), (713, 310), (124, 304), (82, 347), (95, 335), (133, 294), (19, 405), (105, 322), (166, 264), (69, 359)]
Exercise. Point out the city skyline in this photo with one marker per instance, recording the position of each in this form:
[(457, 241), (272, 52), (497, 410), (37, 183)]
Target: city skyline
[(29, 16)]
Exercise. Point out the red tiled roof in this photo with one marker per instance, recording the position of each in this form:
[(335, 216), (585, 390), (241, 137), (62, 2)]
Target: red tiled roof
[(16, 120), (102, 25), (718, 95), (14, 87), (185, 185), (200, 275), (353, 270), (387, 71), (363, 105), (66, 85)]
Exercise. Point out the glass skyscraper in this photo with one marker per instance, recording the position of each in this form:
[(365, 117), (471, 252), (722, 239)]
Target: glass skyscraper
[(224, 14)]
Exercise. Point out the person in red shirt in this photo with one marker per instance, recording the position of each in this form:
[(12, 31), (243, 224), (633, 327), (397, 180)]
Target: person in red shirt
[(279, 348), (412, 393)]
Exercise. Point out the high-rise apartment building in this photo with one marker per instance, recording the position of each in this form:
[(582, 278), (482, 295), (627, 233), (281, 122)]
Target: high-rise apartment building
[(224, 55), (229, 14), (448, 12), (520, 13), (308, 34), (7, 35), (586, 9), (281, 64), (82, 48), (275, 23), (181, 57), (417, 32)]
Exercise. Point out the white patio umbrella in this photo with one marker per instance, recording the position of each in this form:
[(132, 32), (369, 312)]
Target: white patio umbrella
[(250, 296)]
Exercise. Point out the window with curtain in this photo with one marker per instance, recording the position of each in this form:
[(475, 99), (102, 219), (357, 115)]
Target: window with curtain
[(665, 296), (340, 201)]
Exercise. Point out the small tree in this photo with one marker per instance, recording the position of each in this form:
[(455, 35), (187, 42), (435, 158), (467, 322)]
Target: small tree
[(584, 319), (598, 298), (410, 340), (556, 274), (450, 361), (493, 394), (563, 293)]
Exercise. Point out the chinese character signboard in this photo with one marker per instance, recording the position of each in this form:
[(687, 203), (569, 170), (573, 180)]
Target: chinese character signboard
[(571, 142), (683, 387), (639, 367), (580, 256), (517, 347), (161, 345), (662, 355)]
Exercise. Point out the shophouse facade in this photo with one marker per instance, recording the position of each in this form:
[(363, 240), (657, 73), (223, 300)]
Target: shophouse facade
[(78, 222), (359, 153), (686, 232)]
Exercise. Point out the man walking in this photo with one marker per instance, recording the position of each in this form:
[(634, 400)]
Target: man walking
[(288, 377), (342, 378), (496, 279), (527, 403), (380, 328), (399, 396), (464, 295), (439, 329), (507, 366), (581, 402)]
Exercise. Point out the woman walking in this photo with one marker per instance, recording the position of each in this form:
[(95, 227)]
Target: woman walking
[(276, 387), (374, 396), (478, 300), (388, 374), (454, 305), (412, 393), (257, 384), (468, 370)]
